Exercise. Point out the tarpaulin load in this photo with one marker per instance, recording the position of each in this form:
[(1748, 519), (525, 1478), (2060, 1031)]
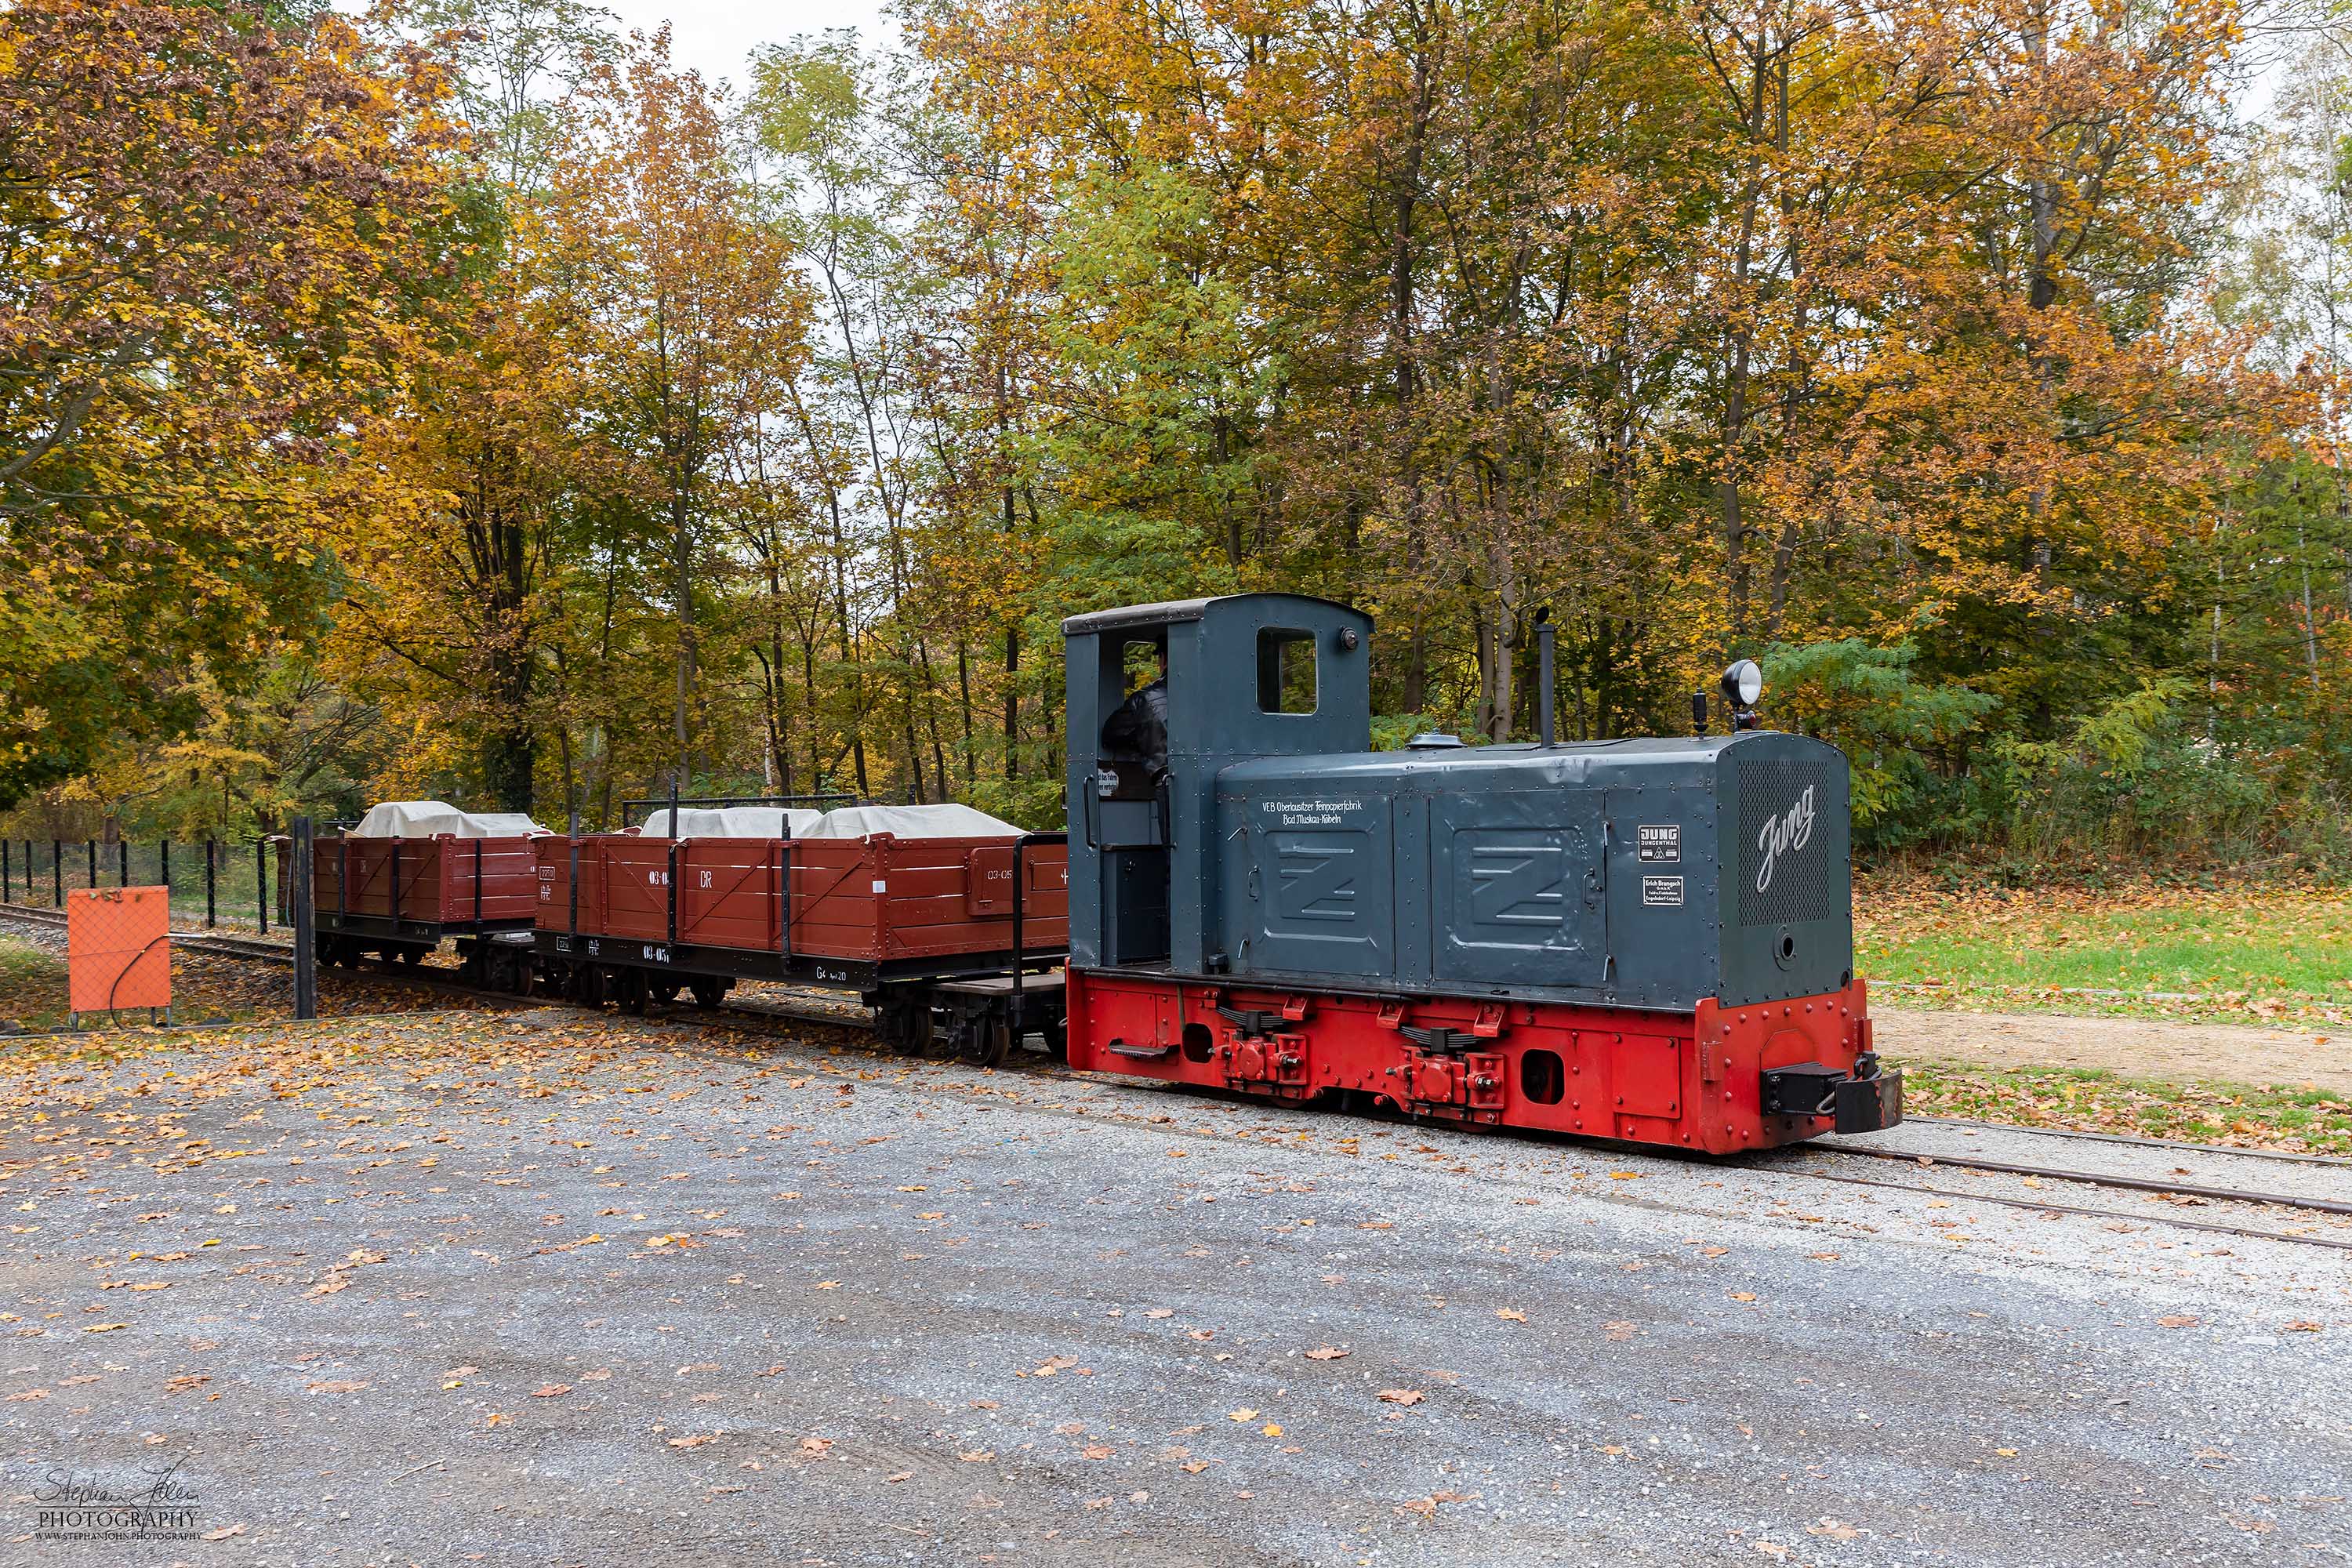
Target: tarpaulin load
[(734, 822), (910, 822), (430, 818)]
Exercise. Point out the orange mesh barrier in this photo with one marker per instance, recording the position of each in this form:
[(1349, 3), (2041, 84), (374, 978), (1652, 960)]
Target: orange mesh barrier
[(118, 948)]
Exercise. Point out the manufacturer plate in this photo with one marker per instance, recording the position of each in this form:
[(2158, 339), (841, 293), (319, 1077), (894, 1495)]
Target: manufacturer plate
[(1663, 892)]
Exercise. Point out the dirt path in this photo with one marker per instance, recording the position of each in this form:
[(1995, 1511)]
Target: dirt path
[(2138, 1048)]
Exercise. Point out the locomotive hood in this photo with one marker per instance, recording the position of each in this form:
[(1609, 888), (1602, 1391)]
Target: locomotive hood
[(1646, 873)]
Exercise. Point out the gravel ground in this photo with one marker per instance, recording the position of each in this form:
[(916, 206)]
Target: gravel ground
[(571, 1289)]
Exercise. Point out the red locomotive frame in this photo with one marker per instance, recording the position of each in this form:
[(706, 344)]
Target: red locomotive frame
[(1689, 1080)]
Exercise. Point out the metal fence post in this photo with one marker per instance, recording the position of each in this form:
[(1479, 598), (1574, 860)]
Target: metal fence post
[(91, 846), (298, 907), (211, 885), (122, 864), (163, 867), (261, 882), (7, 876), (58, 870)]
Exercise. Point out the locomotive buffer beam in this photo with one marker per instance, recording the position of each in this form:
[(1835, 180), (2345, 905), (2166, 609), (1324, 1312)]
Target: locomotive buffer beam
[(1870, 1101)]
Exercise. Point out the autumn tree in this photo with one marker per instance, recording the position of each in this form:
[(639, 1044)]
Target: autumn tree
[(228, 232)]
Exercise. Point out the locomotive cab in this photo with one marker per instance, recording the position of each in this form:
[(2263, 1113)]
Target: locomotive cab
[(1248, 676)]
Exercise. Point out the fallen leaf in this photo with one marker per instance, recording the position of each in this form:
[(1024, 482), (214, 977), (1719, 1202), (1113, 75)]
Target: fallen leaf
[(2182, 1320), (224, 1532), (1270, 1429), (102, 1328), (1095, 1451), (2006, 1453), (1714, 1251), (1619, 1331), (977, 1456), (1388, 1397), (1511, 1314), (1833, 1529), (1160, 1312), (551, 1390), (815, 1445), (337, 1385), (828, 1284), (1241, 1414), (1325, 1352), (696, 1441), (2300, 1326), (901, 1476)]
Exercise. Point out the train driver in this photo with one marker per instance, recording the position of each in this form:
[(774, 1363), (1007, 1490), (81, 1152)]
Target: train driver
[(1136, 730)]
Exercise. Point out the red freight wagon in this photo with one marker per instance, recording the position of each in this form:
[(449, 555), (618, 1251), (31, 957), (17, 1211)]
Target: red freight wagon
[(399, 897), (916, 926)]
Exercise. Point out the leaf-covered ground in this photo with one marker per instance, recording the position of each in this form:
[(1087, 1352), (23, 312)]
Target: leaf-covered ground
[(2253, 953), (2244, 1116), (205, 987)]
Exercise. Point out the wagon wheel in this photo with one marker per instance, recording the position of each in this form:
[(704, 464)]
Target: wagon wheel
[(905, 1026), (709, 990), (983, 1041), (664, 991), (632, 991), (1056, 1031), (411, 956)]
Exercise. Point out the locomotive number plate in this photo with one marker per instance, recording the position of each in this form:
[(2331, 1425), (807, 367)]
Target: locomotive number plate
[(1661, 841), (1662, 892)]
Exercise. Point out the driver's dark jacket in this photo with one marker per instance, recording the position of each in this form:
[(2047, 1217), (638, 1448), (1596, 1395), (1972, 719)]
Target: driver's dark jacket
[(1138, 731)]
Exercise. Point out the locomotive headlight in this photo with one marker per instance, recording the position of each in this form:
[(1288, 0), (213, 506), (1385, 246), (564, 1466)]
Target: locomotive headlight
[(1743, 683)]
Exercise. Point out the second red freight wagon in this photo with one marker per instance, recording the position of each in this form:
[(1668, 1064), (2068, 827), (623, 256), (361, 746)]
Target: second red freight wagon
[(956, 931)]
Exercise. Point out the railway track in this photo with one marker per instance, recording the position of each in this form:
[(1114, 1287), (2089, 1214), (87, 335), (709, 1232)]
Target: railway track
[(769, 1016)]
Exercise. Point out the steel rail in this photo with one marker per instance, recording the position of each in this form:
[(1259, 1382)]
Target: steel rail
[(2087, 1178), (2174, 1220), (2079, 1132)]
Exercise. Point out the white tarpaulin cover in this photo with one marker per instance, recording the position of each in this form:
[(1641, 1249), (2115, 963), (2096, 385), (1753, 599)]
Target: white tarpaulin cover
[(910, 822), (427, 818), (734, 822)]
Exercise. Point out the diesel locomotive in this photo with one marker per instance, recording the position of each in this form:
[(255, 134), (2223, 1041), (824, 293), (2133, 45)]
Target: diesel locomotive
[(1644, 940)]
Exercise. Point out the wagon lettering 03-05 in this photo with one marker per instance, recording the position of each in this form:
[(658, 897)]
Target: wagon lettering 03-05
[(1790, 831)]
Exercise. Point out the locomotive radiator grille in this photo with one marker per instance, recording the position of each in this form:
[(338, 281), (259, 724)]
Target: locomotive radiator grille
[(1786, 876)]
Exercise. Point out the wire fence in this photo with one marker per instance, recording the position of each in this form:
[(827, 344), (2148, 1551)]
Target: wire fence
[(215, 883)]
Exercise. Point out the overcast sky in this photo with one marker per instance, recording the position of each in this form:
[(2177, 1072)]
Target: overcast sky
[(715, 36)]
